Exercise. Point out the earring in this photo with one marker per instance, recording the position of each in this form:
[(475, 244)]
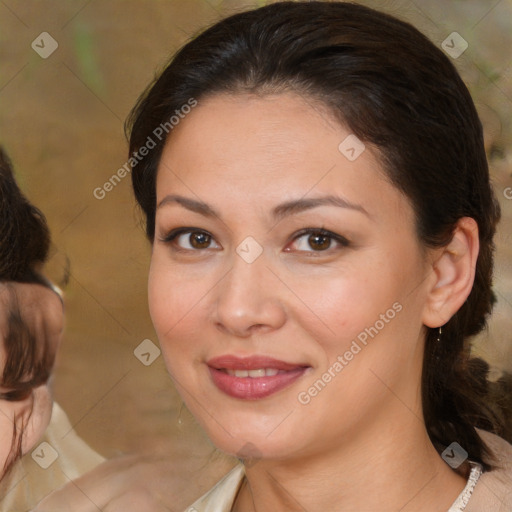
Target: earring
[(437, 345), (180, 421)]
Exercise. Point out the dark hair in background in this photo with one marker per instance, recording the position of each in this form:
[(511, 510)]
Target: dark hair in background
[(24, 243), (396, 91)]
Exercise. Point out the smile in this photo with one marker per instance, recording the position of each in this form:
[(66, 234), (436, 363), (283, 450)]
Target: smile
[(253, 378)]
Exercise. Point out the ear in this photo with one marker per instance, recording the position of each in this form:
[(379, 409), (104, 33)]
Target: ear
[(453, 274)]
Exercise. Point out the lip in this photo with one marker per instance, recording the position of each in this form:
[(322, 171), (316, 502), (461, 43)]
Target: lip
[(253, 388)]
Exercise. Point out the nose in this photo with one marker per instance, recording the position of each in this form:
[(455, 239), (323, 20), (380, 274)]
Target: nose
[(249, 300)]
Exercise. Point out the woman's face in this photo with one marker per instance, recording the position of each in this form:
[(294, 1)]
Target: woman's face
[(282, 342)]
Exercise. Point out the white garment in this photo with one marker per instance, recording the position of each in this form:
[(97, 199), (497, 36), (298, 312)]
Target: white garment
[(462, 500), (222, 496)]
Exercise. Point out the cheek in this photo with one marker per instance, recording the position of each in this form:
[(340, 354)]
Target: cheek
[(174, 301), (339, 308), (162, 293), (365, 313), (338, 301), (377, 349)]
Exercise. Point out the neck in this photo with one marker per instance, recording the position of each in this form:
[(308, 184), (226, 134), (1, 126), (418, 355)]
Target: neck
[(390, 469)]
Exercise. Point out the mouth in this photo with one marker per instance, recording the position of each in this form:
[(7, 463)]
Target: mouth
[(253, 378)]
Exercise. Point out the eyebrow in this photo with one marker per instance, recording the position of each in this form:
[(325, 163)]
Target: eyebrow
[(279, 212)]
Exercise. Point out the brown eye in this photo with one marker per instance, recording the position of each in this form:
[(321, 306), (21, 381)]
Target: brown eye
[(318, 239), (319, 242), (199, 240), (190, 239)]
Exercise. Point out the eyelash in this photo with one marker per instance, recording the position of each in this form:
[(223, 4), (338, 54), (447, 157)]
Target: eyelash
[(173, 234)]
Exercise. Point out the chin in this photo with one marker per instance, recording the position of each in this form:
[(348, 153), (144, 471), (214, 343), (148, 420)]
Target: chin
[(250, 441)]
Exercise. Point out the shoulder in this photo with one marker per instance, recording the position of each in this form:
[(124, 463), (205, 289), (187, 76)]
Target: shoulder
[(493, 491)]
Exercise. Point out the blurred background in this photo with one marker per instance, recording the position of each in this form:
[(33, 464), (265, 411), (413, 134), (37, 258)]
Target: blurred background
[(61, 121)]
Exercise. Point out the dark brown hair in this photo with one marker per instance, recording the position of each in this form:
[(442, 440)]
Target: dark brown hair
[(24, 243), (396, 91)]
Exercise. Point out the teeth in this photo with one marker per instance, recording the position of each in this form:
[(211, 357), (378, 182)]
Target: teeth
[(254, 374), (257, 373)]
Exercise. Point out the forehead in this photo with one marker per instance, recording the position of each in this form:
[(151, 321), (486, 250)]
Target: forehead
[(266, 149), (281, 127)]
